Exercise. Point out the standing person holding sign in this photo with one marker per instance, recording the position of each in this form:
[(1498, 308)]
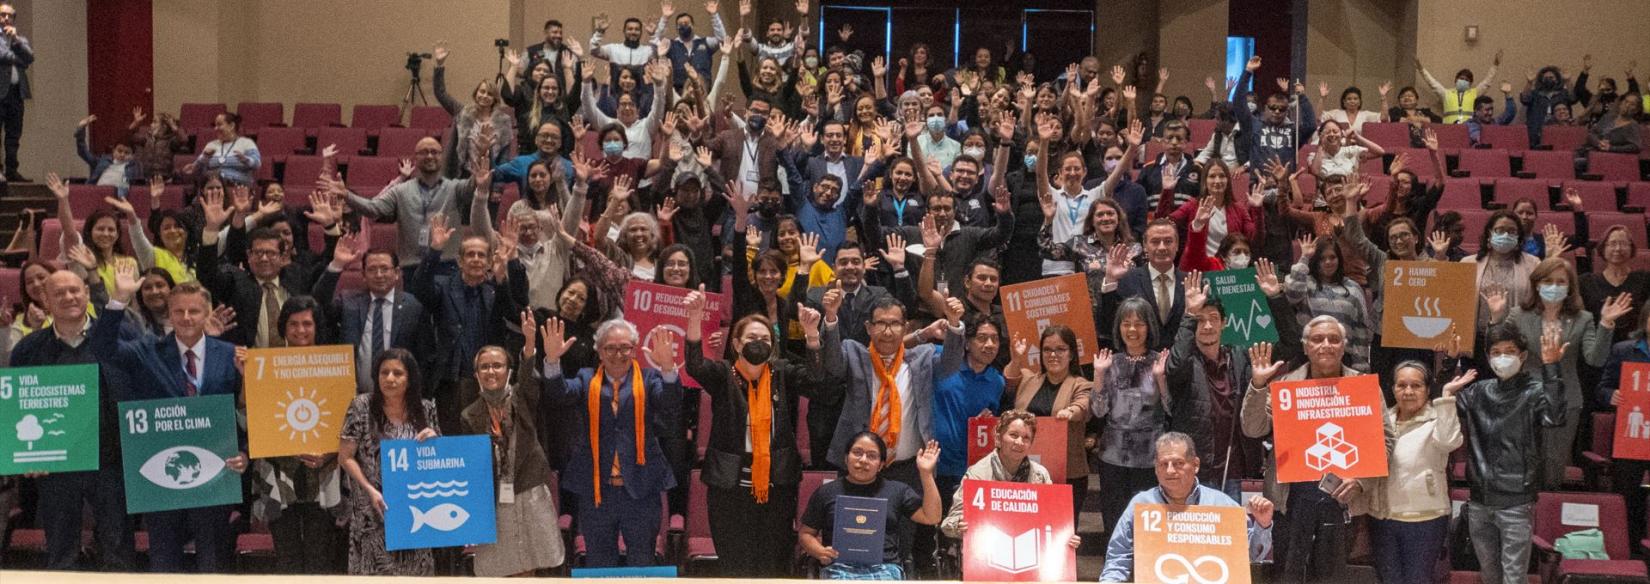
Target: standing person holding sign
[(1314, 544), (1060, 391), (752, 467), (1175, 463), (1505, 421), (1132, 396), (528, 537), (1411, 513), (620, 469), (74, 336), (1618, 386), (298, 496), (395, 409), (864, 456)]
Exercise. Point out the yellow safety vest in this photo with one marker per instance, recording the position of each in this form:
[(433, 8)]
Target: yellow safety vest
[(1458, 105)]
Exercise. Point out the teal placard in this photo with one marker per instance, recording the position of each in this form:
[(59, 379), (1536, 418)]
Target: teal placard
[(1248, 317), (48, 419), (174, 451)]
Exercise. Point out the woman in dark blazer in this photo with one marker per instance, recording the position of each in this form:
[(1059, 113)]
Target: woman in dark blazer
[(752, 467)]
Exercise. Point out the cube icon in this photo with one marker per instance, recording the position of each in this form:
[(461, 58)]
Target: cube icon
[(1331, 449)]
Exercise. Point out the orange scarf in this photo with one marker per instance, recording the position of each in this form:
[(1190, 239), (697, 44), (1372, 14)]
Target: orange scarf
[(885, 413), (759, 399), (638, 395)]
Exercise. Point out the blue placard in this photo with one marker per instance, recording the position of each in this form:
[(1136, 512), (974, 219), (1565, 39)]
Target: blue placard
[(439, 492), (860, 530)]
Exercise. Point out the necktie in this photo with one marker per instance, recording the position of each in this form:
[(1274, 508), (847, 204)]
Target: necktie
[(377, 336), (272, 311), (191, 371), (1163, 298)]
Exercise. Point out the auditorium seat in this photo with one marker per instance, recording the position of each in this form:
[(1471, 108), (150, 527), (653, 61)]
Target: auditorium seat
[(1613, 167), (10, 279), (1562, 138), (1510, 190), (1558, 514), (401, 142), (506, 198), (700, 548), (1202, 131), (201, 137), (298, 178), (1549, 165), (255, 116), (1598, 222), (172, 197), (277, 143), (1485, 164), (1389, 136), (1472, 227), (314, 116), (1504, 137), (51, 238), (179, 161), (1566, 223), (1595, 196), (370, 173), (350, 141), (1638, 195), (1453, 136), (1595, 461), (429, 117), (1417, 160), (1461, 193), (384, 236), (195, 116), (374, 117), (85, 199)]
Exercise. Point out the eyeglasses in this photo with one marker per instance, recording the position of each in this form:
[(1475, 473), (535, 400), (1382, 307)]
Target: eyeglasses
[(492, 367), (885, 325), (618, 349), (1277, 108), (1057, 351), (1402, 235), (263, 253), (986, 338), (864, 454)]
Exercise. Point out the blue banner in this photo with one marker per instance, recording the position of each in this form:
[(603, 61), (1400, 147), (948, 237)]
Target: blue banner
[(439, 492)]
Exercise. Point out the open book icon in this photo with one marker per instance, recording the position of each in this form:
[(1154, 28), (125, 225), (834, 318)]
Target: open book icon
[(1015, 554)]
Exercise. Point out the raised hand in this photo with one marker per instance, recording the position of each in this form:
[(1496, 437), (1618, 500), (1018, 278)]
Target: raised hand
[(1455, 385), (1439, 242), (661, 349), (1323, 90), (87, 121), (1261, 509), (213, 211), (1160, 366), (59, 188), (348, 250), (1136, 133), (82, 254), (832, 300), (1495, 299), (1253, 64), (439, 231), (1117, 262), (1171, 179), (1266, 277), (808, 253), (1384, 88), (1196, 292), (810, 320), (953, 310), (1129, 93), (127, 280), (1572, 198), (1557, 243), (553, 336), (667, 210), (1614, 308), (694, 304), (439, 53), (1262, 366), (121, 205), (928, 457), (931, 238), (1309, 244), (1102, 363), (895, 251), (1205, 209), (1117, 75), (1552, 347)]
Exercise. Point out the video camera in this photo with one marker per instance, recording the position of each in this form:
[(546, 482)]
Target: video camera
[(415, 62)]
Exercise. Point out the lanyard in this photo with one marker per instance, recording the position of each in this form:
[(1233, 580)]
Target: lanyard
[(1075, 208), (899, 208)]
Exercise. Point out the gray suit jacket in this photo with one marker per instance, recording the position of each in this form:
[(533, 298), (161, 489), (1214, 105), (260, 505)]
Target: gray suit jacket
[(850, 362), (16, 53)]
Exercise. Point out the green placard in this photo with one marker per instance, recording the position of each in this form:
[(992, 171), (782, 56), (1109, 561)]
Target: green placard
[(1248, 318), (48, 419), (174, 451)]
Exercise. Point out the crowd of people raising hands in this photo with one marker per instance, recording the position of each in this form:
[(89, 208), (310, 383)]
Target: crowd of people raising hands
[(856, 215)]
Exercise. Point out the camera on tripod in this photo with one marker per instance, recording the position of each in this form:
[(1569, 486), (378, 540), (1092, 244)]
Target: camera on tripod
[(415, 62), (501, 43)]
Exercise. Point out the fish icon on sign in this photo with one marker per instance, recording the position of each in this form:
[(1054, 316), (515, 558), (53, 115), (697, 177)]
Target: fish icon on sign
[(445, 517)]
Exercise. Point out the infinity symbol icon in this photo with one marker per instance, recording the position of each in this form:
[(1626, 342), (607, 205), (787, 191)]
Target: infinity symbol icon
[(1191, 569)]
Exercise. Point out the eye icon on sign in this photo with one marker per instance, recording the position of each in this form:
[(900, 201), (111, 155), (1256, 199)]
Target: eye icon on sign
[(182, 467)]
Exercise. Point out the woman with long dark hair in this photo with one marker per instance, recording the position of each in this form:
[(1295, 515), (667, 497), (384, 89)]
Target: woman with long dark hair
[(395, 409)]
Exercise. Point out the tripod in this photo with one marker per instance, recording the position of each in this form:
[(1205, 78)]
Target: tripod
[(499, 80), (415, 94)]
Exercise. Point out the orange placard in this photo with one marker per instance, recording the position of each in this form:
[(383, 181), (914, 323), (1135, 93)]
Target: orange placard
[(1197, 543), (1322, 426), (1633, 415), (1424, 300), (1030, 307), (296, 399)]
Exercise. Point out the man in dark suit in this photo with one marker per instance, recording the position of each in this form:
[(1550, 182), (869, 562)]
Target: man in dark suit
[(382, 317), (75, 338), (805, 167), (1159, 282), (185, 363), (618, 481), (470, 309), (256, 293), (15, 57)]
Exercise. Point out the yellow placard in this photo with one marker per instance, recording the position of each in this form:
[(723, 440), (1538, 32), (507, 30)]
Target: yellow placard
[(296, 399)]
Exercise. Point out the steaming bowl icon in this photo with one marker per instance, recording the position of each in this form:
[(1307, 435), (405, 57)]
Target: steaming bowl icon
[(1427, 323)]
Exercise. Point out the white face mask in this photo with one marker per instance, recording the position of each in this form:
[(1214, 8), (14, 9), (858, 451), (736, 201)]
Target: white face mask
[(974, 152), (1237, 261), (1506, 366)]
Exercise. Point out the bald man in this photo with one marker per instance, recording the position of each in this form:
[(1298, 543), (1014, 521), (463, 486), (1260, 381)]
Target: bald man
[(75, 337), (412, 203)]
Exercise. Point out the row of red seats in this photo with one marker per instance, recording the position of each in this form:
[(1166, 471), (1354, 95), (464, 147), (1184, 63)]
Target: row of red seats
[(1451, 137), (255, 116)]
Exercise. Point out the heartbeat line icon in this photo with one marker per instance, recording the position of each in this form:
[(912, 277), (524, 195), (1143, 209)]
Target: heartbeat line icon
[(1253, 321)]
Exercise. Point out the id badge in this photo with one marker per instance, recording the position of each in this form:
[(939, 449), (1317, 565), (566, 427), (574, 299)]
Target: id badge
[(506, 493), (424, 236), (613, 233)]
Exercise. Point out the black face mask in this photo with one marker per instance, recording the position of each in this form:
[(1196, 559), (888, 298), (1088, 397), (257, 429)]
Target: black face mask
[(767, 208), (756, 352)]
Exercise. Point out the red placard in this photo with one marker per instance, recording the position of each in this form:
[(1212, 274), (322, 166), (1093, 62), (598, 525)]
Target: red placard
[(1633, 414), (1018, 532), (1323, 426), (1050, 449), (650, 306)]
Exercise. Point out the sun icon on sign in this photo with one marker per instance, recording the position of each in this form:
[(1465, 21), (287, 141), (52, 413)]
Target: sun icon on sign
[(301, 414)]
